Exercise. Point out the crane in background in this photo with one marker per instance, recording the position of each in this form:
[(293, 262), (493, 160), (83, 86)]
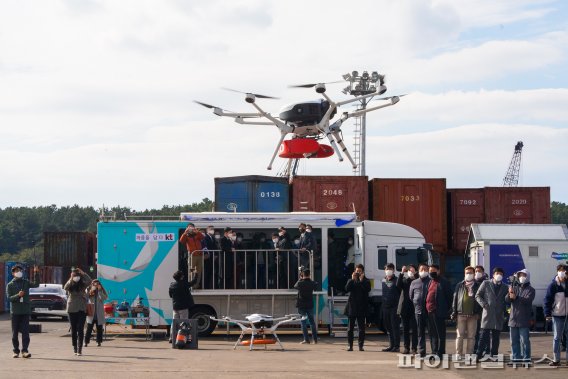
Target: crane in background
[(512, 177)]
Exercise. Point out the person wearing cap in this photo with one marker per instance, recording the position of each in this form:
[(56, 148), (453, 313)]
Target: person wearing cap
[(192, 239), (305, 304), (18, 293), (520, 296)]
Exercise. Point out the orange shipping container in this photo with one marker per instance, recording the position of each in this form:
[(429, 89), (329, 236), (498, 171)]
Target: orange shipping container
[(331, 194), (517, 205), (466, 207), (419, 203)]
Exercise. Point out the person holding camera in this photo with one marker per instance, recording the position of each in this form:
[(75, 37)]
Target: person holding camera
[(358, 288), (77, 306), (556, 309), (520, 296), (305, 304), (192, 238), (18, 293), (180, 292), (97, 296)]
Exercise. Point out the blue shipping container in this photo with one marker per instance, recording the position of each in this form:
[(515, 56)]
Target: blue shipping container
[(251, 194), (9, 277)]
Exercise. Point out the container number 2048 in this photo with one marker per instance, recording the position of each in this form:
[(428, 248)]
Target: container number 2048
[(332, 192), (270, 194)]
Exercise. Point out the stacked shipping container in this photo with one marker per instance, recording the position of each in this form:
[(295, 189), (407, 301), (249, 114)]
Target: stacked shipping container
[(495, 205), (331, 194), (69, 249), (442, 215), (419, 203)]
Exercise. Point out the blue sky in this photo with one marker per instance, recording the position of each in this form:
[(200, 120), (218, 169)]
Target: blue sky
[(96, 96)]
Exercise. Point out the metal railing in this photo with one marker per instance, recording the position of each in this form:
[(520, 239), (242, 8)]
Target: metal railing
[(249, 269)]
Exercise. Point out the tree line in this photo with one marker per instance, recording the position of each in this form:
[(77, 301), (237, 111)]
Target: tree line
[(22, 228)]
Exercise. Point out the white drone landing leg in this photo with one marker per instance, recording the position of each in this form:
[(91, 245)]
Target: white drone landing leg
[(283, 135), (344, 148), (332, 143)]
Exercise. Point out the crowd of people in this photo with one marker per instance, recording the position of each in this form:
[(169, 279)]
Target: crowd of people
[(228, 262), (419, 299)]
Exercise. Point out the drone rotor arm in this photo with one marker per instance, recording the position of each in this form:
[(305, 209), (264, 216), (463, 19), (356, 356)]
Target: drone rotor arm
[(394, 100)]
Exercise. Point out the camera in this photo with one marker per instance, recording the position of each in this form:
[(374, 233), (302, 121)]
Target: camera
[(301, 268)]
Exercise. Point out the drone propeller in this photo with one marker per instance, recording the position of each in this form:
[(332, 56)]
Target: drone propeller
[(310, 85), (204, 104), (250, 93)]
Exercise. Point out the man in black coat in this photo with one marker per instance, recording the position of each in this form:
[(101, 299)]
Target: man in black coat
[(406, 309), (438, 305), (391, 319), (305, 304), (210, 256), (180, 292), (358, 287)]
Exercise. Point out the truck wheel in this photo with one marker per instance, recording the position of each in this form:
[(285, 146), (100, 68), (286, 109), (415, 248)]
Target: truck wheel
[(205, 325)]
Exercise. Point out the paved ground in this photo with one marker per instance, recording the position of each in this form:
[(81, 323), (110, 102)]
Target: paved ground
[(130, 356)]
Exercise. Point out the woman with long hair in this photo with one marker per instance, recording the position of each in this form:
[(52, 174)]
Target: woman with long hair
[(77, 306), (97, 296)]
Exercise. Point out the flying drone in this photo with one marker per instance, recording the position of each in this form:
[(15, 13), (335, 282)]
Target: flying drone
[(311, 121), (259, 325)]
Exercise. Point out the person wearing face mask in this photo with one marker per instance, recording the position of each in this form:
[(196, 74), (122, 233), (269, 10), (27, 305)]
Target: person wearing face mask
[(491, 296), (556, 309), (227, 259), (192, 239), (210, 256), (18, 293), (238, 245), (97, 296), (78, 282), (466, 311), (306, 244), (283, 257), (405, 309), (480, 276), (438, 306), (391, 297), (358, 288), (417, 294), (521, 297)]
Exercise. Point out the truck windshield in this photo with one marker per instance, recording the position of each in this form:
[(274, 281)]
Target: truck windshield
[(405, 257)]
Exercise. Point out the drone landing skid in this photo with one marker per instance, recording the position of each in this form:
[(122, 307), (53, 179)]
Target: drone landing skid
[(304, 148)]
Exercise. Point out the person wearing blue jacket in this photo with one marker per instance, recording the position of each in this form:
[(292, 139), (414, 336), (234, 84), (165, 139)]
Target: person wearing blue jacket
[(556, 309), (521, 297), (391, 319)]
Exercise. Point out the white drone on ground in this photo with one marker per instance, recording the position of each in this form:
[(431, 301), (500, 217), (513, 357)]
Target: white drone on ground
[(259, 325), (310, 121)]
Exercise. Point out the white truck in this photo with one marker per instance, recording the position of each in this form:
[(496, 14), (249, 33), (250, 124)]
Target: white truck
[(513, 247), (136, 259)]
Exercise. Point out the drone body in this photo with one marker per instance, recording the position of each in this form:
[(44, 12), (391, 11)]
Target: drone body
[(307, 122)]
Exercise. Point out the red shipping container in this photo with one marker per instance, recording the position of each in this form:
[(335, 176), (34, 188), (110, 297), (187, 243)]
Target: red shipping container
[(419, 203), (2, 287), (331, 194), (76, 249), (517, 205), (466, 207)]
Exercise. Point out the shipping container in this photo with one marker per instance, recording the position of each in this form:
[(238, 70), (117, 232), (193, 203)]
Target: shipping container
[(331, 194), (8, 278), (252, 193), (51, 274), (517, 205), (69, 249), (2, 288), (466, 206), (419, 203)]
